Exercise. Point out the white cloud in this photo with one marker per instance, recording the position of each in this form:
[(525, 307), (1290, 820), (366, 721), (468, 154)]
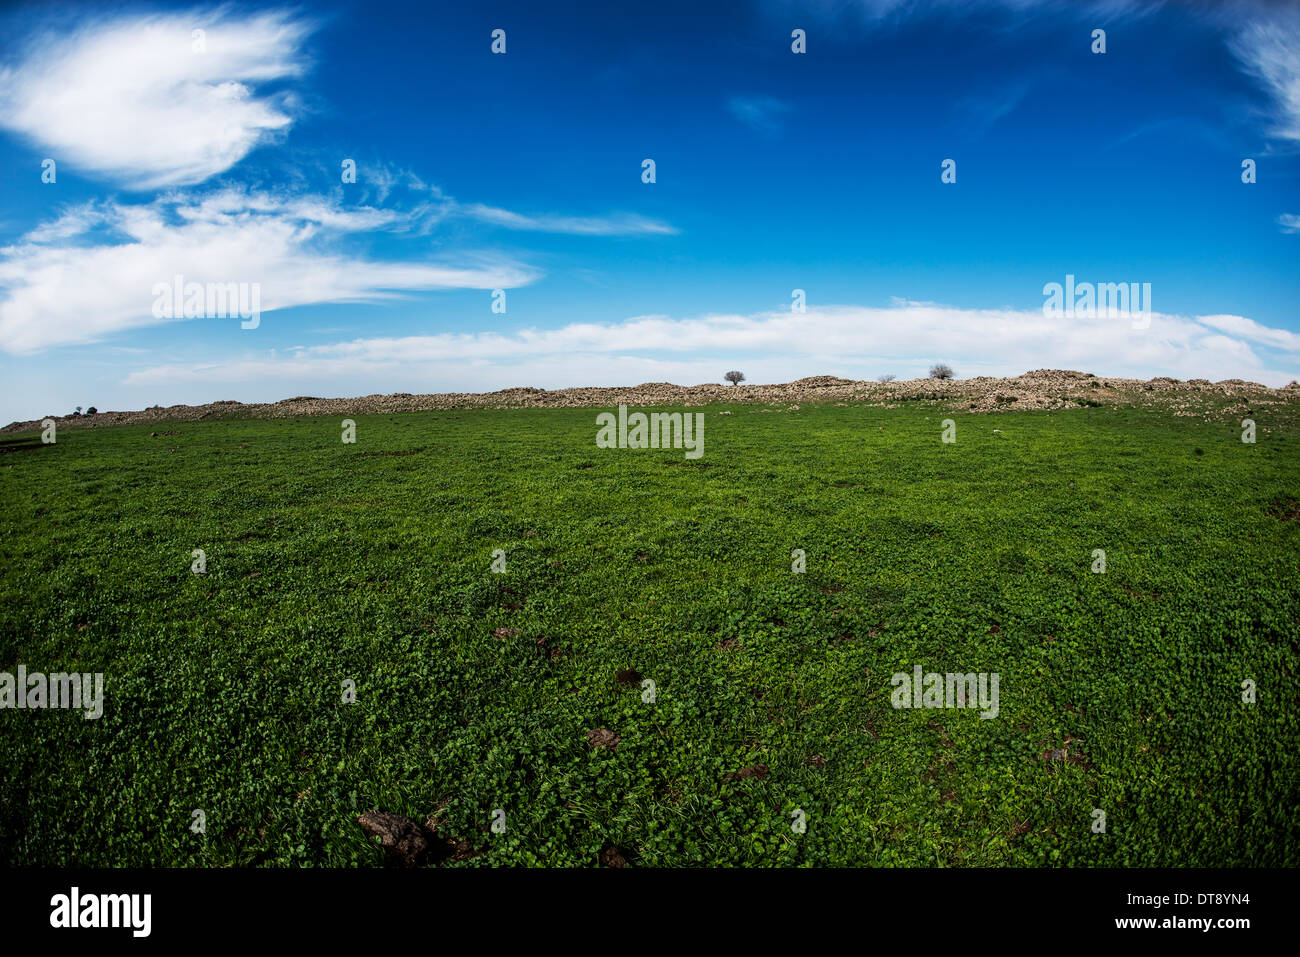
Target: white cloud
[(618, 224), (1252, 331), (1290, 222), (90, 271), (131, 100), (979, 112), (875, 11), (65, 293), (762, 114), (1268, 47), (73, 221), (858, 342)]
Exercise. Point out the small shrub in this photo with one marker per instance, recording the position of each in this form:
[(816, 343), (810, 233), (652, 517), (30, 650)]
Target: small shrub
[(941, 370)]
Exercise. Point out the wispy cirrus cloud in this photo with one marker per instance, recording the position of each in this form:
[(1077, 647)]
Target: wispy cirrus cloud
[(876, 12), (762, 114), (383, 183), (1290, 222), (1263, 35), (617, 224), (979, 112), (140, 102), (1268, 47)]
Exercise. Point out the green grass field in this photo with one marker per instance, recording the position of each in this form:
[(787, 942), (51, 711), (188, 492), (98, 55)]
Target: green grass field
[(476, 691)]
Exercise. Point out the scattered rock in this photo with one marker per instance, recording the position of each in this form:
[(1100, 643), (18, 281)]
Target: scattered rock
[(406, 842), (611, 856), (1037, 389), (603, 738), (1064, 754), (822, 382)]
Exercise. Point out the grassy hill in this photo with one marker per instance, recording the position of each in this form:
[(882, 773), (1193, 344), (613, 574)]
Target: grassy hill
[(525, 691)]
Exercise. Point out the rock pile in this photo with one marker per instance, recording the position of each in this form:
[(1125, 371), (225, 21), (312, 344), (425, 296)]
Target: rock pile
[(1039, 389)]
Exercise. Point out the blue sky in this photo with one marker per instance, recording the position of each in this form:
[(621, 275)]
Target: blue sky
[(775, 171)]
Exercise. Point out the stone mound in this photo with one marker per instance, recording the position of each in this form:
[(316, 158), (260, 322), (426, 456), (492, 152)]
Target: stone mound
[(820, 382), (1048, 389)]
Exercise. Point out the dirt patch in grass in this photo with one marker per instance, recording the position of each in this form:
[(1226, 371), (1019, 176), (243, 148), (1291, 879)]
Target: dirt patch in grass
[(759, 771), (1285, 509)]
